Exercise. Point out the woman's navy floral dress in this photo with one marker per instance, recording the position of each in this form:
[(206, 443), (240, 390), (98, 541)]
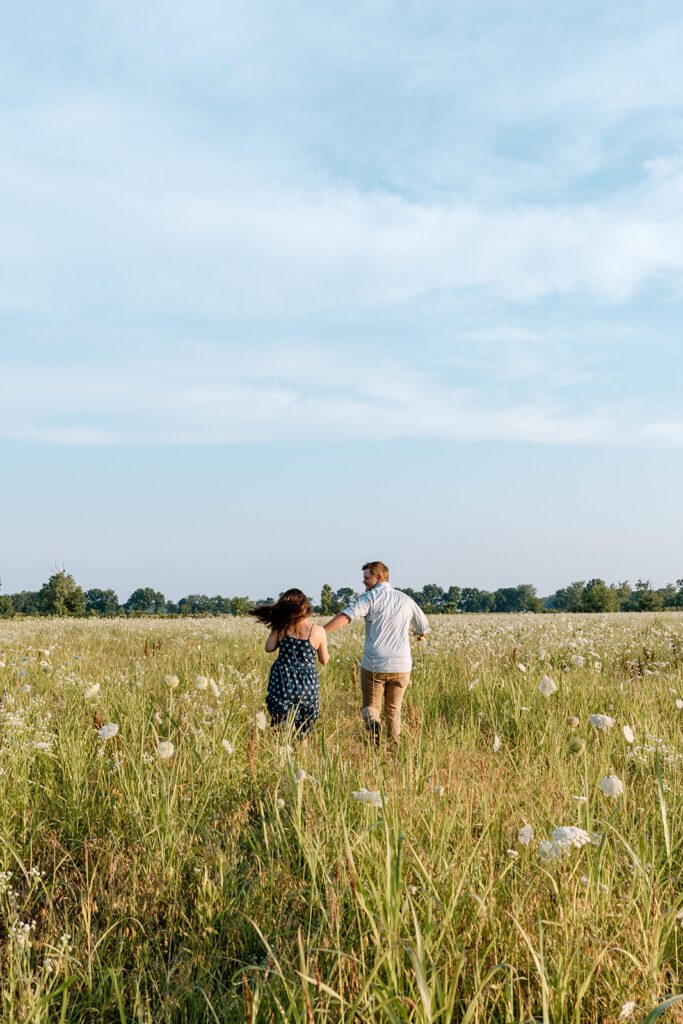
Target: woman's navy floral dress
[(293, 685)]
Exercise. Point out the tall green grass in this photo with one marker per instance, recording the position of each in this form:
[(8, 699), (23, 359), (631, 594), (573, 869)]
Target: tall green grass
[(225, 886)]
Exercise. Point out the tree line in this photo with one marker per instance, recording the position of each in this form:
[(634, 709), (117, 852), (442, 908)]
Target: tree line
[(61, 595)]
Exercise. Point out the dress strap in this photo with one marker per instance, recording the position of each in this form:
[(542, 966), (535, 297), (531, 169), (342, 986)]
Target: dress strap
[(311, 632)]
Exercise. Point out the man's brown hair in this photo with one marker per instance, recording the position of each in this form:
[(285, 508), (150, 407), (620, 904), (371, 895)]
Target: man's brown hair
[(377, 569)]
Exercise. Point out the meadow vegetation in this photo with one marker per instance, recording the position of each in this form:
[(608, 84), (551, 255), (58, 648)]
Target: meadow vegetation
[(190, 865)]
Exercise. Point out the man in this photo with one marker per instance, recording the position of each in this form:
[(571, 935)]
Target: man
[(386, 663)]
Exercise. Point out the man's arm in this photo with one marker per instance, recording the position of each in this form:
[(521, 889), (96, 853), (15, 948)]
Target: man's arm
[(420, 622), (337, 622)]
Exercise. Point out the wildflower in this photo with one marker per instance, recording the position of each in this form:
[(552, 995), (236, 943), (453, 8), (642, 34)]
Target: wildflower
[(26, 688), (280, 802), (628, 734), (260, 720), (158, 718), (576, 745), (439, 790), (584, 880), (578, 660), (611, 786), (92, 691), (525, 835), (42, 745), (227, 747), (601, 721), (512, 853), (568, 836), (300, 776), (108, 731), (412, 889), (171, 681), (497, 743), (201, 682), (521, 667), (548, 850), (572, 721), (473, 683), (165, 749), (627, 1010), (580, 799), (373, 798), (679, 703), (547, 686)]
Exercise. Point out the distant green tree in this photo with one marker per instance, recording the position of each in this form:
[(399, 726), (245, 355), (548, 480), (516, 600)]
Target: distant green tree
[(344, 597), (451, 600), (6, 607), (668, 595), (101, 602), (679, 595), (241, 605), (145, 601), (433, 597), (328, 603), (474, 600), (645, 598), (26, 602), (61, 595), (624, 595), (598, 597)]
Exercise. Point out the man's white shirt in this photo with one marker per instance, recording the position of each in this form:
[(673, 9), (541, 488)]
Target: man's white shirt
[(388, 615)]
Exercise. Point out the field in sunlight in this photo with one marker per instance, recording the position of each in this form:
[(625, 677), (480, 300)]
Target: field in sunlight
[(164, 858)]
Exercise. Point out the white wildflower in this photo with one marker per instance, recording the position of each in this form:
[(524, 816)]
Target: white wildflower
[(201, 682), (213, 686), (578, 660), (547, 686), (280, 802), (628, 734), (165, 749), (300, 776), (548, 850), (497, 743), (512, 853), (580, 799), (601, 721), (611, 786), (227, 747), (568, 836), (627, 1010), (171, 681), (439, 790), (373, 798), (260, 720), (525, 835), (521, 667), (108, 731), (92, 691), (42, 745), (679, 703), (158, 718)]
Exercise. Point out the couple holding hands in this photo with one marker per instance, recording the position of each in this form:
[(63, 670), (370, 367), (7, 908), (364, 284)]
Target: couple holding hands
[(293, 691)]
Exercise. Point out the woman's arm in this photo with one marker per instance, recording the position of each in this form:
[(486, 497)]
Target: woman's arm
[(272, 642), (320, 643)]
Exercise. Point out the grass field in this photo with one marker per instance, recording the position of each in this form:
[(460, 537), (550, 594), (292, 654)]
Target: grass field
[(194, 867)]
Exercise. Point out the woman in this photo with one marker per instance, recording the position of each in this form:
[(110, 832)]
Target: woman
[(293, 692)]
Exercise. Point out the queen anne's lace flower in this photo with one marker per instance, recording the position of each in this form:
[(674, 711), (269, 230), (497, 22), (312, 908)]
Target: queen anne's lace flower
[(601, 721), (165, 749), (260, 720), (368, 796), (547, 686), (525, 835), (108, 731), (628, 734), (611, 786)]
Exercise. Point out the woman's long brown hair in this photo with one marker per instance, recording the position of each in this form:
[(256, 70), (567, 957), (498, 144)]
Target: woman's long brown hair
[(290, 608)]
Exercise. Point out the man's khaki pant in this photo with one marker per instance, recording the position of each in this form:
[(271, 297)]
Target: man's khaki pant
[(387, 686)]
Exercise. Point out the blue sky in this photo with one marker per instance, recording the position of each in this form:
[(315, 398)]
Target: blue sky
[(284, 287)]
